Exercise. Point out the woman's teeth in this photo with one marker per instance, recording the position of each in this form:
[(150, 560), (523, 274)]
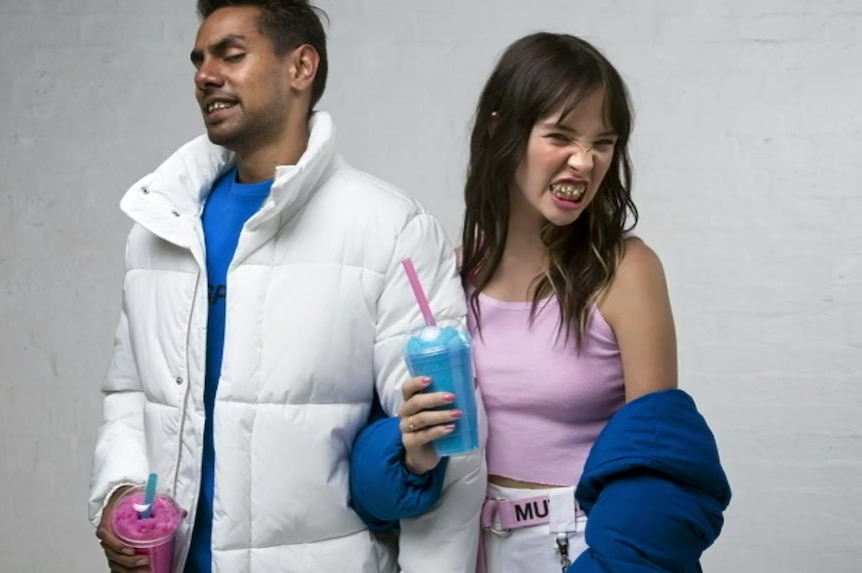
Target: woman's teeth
[(568, 191)]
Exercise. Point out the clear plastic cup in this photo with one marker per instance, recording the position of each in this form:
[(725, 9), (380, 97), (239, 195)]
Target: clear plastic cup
[(443, 354), (152, 536)]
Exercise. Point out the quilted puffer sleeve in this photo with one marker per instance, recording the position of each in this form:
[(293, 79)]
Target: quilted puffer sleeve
[(382, 490), (648, 523), (120, 454), (653, 488), (446, 538)]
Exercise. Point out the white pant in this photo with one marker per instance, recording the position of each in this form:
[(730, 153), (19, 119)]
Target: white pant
[(529, 549)]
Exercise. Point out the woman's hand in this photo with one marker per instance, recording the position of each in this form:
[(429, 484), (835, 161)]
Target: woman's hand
[(421, 424)]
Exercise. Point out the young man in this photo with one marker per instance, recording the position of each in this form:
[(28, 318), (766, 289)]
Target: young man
[(264, 307)]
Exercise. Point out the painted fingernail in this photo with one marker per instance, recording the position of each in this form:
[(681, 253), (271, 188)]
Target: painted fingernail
[(449, 427), (426, 381), (456, 414), (449, 397)]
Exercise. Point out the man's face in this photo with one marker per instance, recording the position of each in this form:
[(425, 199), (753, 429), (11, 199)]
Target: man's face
[(241, 84)]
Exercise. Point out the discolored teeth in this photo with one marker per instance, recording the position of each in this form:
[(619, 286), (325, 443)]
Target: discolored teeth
[(568, 191), (215, 106)]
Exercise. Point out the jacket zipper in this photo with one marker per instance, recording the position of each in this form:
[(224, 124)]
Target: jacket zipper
[(192, 510)]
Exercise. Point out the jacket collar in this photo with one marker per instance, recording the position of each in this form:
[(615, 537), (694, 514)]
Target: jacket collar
[(169, 201)]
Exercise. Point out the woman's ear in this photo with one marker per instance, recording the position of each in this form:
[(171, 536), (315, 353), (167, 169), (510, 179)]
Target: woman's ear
[(492, 124)]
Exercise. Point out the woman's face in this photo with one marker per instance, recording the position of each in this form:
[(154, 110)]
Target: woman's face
[(564, 165)]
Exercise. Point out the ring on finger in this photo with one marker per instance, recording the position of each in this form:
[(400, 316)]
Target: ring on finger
[(410, 425)]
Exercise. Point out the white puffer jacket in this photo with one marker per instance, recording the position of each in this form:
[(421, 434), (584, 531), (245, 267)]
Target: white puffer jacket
[(317, 312)]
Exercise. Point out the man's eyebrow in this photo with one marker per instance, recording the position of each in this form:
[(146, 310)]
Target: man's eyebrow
[(229, 41)]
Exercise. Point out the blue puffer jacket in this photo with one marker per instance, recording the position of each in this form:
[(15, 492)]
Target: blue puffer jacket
[(382, 491), (653, 488)]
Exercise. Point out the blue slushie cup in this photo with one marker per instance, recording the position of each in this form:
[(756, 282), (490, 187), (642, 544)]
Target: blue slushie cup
[(442, 353)]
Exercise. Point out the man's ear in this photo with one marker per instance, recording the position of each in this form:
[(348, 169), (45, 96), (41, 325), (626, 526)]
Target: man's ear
[(304, 61)]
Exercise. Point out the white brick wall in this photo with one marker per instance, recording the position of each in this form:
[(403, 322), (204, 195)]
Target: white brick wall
[(747, 139)]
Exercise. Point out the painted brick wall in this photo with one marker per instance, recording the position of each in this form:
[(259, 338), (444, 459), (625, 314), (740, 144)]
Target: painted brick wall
[(746, 150)]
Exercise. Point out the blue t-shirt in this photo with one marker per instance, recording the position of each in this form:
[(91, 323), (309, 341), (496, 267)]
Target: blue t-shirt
[(229, 206)]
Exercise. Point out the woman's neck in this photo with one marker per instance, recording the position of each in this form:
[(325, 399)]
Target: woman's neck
[(525, 258), (524, 240)]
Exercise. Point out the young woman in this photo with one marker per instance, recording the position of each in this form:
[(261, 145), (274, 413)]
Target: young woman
[(569, 312)]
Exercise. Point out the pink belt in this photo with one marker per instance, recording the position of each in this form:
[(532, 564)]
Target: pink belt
[(500, 516)]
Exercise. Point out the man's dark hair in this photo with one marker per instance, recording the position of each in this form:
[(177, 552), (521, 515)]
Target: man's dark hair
[(289, 24)]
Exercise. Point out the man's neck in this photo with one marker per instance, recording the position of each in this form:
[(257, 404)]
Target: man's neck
[(258, 163)]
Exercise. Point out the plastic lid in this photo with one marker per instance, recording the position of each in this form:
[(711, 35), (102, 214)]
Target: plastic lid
[(437, 338)]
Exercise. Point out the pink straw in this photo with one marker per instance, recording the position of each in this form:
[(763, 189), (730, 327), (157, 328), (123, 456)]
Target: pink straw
[(421, 299)]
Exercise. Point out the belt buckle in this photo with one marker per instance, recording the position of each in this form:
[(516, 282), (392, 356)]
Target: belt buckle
[(498, 532)]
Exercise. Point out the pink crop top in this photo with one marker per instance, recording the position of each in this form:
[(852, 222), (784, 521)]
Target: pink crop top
[(546, 404)]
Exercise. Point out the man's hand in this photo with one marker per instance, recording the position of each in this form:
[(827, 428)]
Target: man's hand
[(420, 425), (121, 557)]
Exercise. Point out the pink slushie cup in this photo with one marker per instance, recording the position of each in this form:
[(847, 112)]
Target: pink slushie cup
[(151, 536)]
